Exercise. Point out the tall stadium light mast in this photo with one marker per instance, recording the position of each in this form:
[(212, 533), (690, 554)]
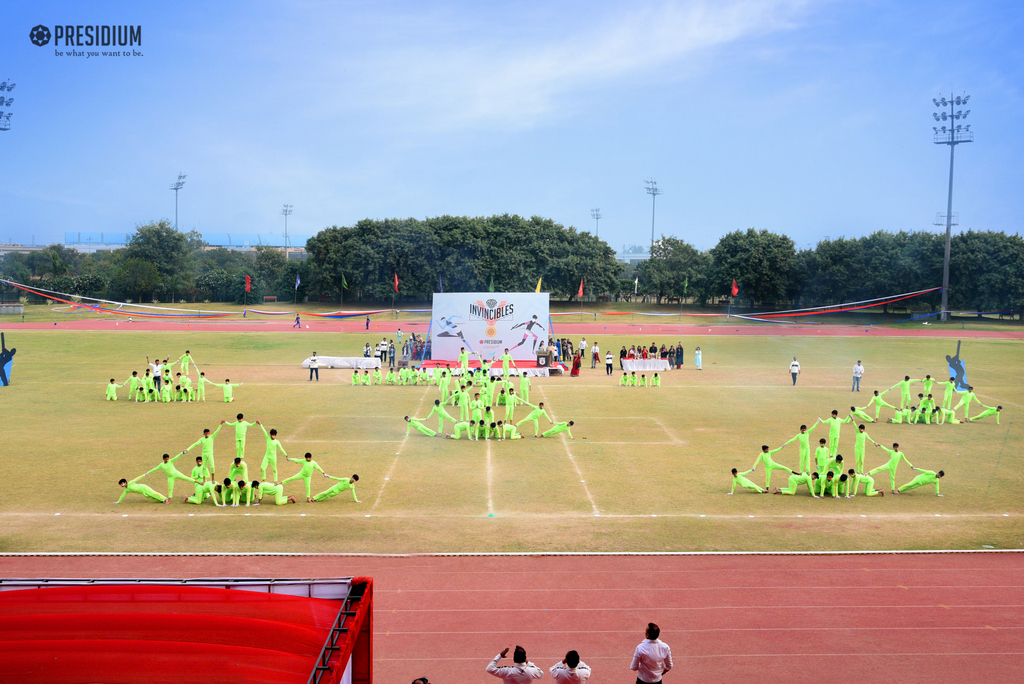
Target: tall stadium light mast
[(596, 215), (176, 186), (286, 212), (952, 136), (653, 191)]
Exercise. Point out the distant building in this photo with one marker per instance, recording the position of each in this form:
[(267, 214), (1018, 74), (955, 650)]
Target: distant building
[(631, 258), (240, 242), (7, 248), (633, 254), (94, 242)]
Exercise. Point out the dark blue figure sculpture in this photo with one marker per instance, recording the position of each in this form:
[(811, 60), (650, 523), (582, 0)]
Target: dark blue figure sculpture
[(957, 370), (6, 356)]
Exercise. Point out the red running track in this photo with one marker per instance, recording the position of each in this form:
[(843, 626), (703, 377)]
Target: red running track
[(652, 327), (729, 618)]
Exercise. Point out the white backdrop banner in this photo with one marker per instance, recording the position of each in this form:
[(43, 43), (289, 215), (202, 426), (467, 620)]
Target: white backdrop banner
[(488, 322)]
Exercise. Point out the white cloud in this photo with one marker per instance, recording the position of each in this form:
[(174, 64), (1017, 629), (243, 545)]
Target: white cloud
[(512, 76)]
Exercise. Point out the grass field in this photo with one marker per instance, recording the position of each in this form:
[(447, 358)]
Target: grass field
[(648, 470)]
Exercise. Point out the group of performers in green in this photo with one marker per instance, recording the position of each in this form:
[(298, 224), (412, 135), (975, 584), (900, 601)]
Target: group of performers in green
[(477, 397), (831, 475), (237, 486), (161, 384), (439, 377), (926, 411), (631, 380)]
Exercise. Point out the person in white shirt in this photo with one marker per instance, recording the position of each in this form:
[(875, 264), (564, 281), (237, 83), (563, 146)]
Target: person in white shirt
[(652, 658), (571, 670), (314, 367), (609, 361), (520, 672), (595, 355), (157, 372), (794, 369), (858, 373)]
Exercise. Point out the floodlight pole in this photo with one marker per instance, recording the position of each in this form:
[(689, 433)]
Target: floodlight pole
[(176, 186), (596, 215), (954, 136), (287, 211), (653, 191)]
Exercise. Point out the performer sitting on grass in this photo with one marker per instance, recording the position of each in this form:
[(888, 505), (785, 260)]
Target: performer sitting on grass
[(925, 478), (112, 390), (343, 484), (797, 479), (132, 487), (869, 484), (989, 411), (417, 423), (559, 427), (739, 479)]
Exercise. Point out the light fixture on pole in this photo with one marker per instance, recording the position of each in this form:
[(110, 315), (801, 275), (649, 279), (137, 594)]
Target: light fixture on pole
[(596, 215), (952, 136), (286, 212), (653, 191), (176, 186)]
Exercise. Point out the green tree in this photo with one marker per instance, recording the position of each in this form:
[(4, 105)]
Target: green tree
[(269, 264), (162, 246), (675, 269), (986, 272), (135, 278), (761, 262)]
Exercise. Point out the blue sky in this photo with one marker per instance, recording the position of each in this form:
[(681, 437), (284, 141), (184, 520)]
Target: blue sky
[(807, 118)]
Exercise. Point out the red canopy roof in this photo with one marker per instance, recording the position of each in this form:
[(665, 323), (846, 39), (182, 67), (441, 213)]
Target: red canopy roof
[(159, 634)]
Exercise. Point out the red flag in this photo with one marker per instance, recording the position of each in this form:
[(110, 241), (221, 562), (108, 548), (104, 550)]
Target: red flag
[(248, 284), (396, 282), (735, 290), (580, 293)]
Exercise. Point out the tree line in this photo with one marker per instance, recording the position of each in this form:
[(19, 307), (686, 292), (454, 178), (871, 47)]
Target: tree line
[(986, 270), (511, 253)]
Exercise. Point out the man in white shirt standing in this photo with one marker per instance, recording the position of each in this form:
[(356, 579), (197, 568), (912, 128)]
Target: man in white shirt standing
[(570, 670), (595, 355), (858, 373), (157, 372), (794, 369), (520, 672), (652, 658), (314, 367)]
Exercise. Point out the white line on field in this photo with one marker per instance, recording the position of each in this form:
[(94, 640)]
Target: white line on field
[(994, 400), (575, 465), (208, 511), (675, 440), (398, 441), (391, 470), (355, 441), (490, 477)]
